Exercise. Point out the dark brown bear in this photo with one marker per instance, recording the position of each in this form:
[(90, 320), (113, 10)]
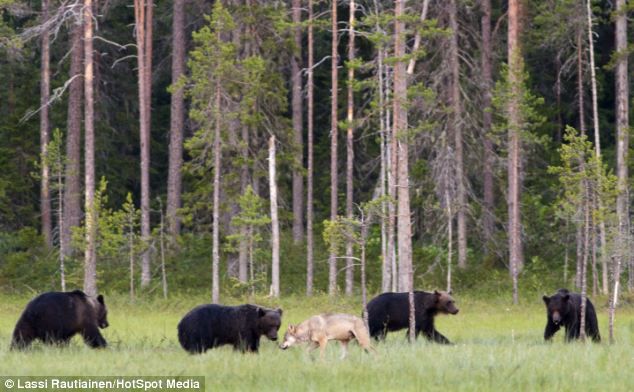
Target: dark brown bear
[(56, 317), (564, 308), (390, 312), (209, 326)]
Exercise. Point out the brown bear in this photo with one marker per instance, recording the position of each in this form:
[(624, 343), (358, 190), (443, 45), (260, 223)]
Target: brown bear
[(564, 308), (390, 312), (209, 326), (55, 317)]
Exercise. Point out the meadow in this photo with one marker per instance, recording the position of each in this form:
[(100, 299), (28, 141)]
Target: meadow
[(497, 347)]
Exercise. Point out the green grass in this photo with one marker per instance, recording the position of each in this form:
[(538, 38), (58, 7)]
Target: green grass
[(497, 348)]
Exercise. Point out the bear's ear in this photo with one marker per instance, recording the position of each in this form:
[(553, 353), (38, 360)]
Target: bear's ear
[(279, 310), (546, 299), (100, 299), (261, 312), (566, 297)]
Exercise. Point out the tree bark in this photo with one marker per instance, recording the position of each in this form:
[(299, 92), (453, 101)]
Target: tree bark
[(177, 120), (296, 103), (580, 90), (309, 182), (622, 141), (350, 149), (488, 221), (72, 185), (584, 266), (597, 149), (90, 256), (45, 90), (143, 20), (332, 259), (215, 234), (275, 226), (244, 183), (456, 125), (400, 133), (514, 158)]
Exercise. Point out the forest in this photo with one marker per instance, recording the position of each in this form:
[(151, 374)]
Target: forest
[(241, 147)]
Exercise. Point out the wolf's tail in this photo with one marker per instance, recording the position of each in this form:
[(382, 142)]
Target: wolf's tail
[(360, 332)]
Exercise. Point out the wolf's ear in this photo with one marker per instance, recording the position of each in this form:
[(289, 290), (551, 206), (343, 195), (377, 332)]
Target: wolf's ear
[(291, 328)]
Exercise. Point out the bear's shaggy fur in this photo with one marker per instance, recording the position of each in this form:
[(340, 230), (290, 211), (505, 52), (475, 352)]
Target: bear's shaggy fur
[(55, 317), (209, 326), (390, 312), (564, 308)]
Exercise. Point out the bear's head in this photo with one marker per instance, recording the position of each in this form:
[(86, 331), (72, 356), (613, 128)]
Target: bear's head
[(269, 321), (558, 305), (102, 312), (444, 303)]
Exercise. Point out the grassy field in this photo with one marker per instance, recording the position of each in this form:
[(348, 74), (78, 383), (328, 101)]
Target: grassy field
[(497, 348)]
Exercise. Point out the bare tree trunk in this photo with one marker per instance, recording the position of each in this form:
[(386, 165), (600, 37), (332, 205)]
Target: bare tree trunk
[(456, 125), (586, 246), (45, 91), (597, 149), (72, 186), (177, 120), (400, 133), (364, 292), (350, 150), (296, 104), (580, 90), (386, 271), (558, 132), (514, 159), (622, 129), (90, 256), (332, 260), (131, 253), (59, 173), (143, 20), (162, 245), (449, 238), (244, 183), (579, 238), (488, 221), (309, 182), (275, 226), (215, 250)]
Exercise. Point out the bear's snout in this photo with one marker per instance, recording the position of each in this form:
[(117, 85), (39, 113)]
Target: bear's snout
[(104, 325)]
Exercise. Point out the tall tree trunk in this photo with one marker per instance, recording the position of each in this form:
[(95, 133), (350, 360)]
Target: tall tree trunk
[(332, 259), (449, 238), (72, 185), (215, 234), (45, 91), (90, 255), (597, 149), (296, 103), (456, 125), (488, 221), (143, 19), (586, 249), (244, 183), (309, 182), (622, 129), (177, 120), (580, 90), (400, 134), (386, 247), (514, 152), (275, 226), (350, 149), (560, 123)]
